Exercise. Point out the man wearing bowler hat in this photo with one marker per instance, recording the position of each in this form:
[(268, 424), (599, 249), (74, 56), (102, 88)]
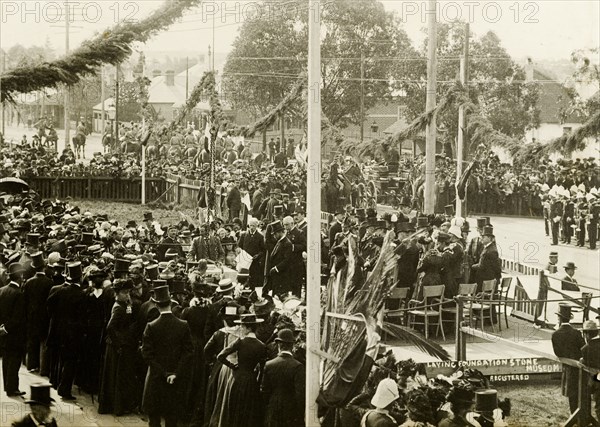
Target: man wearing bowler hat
[(12, 330), (568, 282), (283, 386), (167, 349), (39, 402), (567, 342)]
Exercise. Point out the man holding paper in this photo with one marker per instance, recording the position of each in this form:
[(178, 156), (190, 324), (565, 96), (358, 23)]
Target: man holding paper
[(252, 243)]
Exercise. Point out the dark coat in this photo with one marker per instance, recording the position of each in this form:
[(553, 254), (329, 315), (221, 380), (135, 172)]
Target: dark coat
[(569, 284), (298, 240), (335, 228), (489, 266), (282, 389), (591, 353), (280, 258), (254, 244), (257, 199), (280, 160), (12, 316), (234, 199), (567, 342), (164, 245), (207, 247), (36, 292), (66, 308), (167, 349)]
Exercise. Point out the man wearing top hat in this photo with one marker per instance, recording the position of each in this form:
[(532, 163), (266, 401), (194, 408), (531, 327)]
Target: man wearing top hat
[(282, 386), (475, 247), (568, 283), (167, 349), (335, 227), (253, 243), (279, 272), (39, 402), (66, 308), (268, 205), (567, 342), (13, 329), (36, 290), (32, 245), (298, 240), (489, 266)]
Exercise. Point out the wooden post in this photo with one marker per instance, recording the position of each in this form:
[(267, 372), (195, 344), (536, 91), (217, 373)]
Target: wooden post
[(584, 398), (177, 192), (458, 333), (89, 188), (462, 122), (430, 143), (313, 217)]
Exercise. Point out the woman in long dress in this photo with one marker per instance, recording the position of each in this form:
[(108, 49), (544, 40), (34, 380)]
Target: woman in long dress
[(242, 406), (218, 379)]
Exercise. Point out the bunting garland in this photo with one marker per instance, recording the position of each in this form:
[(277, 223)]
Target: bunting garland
[(112, 46)]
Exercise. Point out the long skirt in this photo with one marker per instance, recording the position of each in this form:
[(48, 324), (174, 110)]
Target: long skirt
[(223, 388), (118, 393), (243, 406)]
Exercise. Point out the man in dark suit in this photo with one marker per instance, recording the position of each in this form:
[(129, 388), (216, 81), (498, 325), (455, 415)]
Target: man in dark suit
[(283, 386), (567, 342), (281, 160), (568, 282), (167, 349), (39, 403), (336, 227), (36, 292), (66, 308), (12, 329), (590, 357), (567, 220), (234, 201), (556, 213), (288, 207), (279, 261), (475, 248), (257, 199), (253, 243), (298, 240), (489, 266)]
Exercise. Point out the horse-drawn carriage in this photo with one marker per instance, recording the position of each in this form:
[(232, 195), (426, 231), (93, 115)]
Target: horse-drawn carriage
[(387, 183)]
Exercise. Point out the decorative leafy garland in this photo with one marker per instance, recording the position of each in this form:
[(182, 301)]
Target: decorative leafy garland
[(112, 46), (206, 87)]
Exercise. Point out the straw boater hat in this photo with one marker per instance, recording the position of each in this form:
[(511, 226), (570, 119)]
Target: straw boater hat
[(387, 392), (248, 319), (225, 285)]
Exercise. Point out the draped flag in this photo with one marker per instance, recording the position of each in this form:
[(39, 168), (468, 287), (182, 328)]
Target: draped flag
[(461, 185)]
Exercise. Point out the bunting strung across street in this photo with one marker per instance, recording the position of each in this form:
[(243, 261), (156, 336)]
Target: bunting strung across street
[(112, 46)]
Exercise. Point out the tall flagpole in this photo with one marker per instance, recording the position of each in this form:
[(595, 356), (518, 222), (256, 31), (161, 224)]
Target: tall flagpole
[(430, 133), (313, 190)]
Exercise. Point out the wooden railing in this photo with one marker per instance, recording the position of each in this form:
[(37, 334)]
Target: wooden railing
[(97, 188)]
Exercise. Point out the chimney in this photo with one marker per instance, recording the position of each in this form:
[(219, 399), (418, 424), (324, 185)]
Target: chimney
[(170, 80), (529, 70), (156, 73)]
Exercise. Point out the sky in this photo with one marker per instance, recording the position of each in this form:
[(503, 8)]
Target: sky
[(546, 29)]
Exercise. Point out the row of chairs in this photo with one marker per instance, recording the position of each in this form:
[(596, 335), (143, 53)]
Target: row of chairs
[(488, 305)]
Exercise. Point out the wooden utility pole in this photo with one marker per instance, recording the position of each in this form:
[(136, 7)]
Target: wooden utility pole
[(3, 103), (313, 182), (362, 97), (430, 136), (187, 71), (462, 121), (102, 97), (117, 105), (66, 95), (282, 130)]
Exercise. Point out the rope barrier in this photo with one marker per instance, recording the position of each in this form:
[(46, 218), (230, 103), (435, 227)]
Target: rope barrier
[(572, 283)]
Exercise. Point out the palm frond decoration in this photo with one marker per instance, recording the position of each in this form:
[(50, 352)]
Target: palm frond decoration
[(417, 339)]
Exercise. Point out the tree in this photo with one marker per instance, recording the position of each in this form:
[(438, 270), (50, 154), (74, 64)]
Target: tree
[(496, 83), (349, 30)]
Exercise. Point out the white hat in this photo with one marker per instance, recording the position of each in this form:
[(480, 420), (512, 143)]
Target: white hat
[(573, 189), (589, 197), (387, 392), (594, 191), (581, 187), (459, 222), (545, 187), (455, 230)]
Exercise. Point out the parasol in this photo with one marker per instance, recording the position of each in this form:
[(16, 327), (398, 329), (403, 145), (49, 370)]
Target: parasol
[(13, 185)]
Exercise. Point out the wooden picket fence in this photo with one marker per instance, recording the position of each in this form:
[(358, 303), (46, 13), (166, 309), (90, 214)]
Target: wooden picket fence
[(98, 188)]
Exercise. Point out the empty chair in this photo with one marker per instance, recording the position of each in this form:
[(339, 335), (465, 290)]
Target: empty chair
[(464, 290), (484, 307), (431, 294), (395, 305), (502, 300)]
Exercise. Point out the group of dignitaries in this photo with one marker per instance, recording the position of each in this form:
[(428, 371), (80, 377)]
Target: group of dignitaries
[(433, 250), (150, 319)]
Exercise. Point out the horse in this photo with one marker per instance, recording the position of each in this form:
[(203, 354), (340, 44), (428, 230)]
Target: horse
[(191, 152), (131, 147), (79, 145), (108, 142)]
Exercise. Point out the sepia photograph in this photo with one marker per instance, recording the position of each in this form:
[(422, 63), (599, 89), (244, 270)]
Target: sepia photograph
[(287, 213)]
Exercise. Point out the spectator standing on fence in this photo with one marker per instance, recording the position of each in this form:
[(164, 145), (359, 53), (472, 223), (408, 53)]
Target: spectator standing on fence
[(567, 343), (590, 357)]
